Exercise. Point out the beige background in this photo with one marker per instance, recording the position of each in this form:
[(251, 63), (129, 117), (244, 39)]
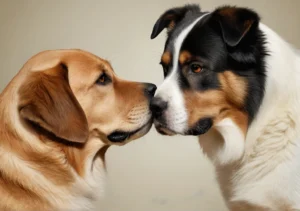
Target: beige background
[(154, 173)]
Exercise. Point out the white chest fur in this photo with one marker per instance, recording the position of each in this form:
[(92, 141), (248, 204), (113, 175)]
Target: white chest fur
[(270, 174)]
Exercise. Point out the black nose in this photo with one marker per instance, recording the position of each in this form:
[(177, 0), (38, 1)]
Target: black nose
[(157, 106), (150, 89)]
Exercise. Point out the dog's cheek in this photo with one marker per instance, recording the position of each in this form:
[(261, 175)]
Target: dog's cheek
[(203, 105), (201, 127)]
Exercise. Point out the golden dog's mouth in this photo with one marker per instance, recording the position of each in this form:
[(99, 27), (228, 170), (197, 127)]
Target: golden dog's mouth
[(120, 136)]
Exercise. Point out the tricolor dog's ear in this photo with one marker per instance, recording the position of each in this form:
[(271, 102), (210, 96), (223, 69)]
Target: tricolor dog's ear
[(235, 23), (171, 17), (47, 101)]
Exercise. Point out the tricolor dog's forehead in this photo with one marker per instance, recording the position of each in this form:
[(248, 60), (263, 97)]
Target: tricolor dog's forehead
[(192, 39), (178, 34)]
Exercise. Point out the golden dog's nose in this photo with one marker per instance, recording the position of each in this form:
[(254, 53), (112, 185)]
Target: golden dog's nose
[(150, 89)]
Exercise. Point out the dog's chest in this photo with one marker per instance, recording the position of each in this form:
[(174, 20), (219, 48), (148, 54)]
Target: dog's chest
[(269, 173), (89, 189), (270, 179)]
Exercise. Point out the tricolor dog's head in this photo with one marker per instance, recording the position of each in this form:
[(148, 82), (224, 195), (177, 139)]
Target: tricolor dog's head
[(213, 68)]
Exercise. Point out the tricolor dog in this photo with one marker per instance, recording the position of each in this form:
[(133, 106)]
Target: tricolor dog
[(235, 83), (58, 116)]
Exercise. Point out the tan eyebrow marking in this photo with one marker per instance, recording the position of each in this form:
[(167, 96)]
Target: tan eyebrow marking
[(184, 57), (166, 58)]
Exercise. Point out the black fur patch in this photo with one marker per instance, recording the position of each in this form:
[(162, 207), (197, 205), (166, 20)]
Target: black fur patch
[(201, 127)]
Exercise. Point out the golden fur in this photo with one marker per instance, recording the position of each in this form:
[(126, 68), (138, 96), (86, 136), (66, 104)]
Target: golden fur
[(54, 125)]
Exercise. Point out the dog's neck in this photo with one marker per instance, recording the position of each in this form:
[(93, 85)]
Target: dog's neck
[(273, 133), (282, 97), (282, 92)]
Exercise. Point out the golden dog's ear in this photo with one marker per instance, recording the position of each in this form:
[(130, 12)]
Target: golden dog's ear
[(47, 101)]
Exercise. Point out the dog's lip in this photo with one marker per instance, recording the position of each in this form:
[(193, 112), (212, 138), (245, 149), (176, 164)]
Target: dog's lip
[(163, 129), (119, 136)]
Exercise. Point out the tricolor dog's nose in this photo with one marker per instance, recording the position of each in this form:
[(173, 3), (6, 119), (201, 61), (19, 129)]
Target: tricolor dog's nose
[(158, 106), (150, 89)]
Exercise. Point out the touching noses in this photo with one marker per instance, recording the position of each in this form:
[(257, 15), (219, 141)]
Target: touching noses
[(158, 106)]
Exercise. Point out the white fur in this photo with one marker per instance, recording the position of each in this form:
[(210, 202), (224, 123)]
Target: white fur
[(233, 147), (176, 115), (270, 173)]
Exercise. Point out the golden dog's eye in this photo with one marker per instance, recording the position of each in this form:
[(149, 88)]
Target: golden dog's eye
[(196, 68), (103, 79)]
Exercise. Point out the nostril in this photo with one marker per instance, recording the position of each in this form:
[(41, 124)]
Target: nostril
[(150, 89), (157, 106)]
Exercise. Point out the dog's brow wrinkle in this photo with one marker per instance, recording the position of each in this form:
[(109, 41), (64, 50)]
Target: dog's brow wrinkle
[(101, 66)]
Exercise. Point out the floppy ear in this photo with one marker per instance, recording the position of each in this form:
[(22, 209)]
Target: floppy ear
[(171, 17), (235, 23), (46, 100)]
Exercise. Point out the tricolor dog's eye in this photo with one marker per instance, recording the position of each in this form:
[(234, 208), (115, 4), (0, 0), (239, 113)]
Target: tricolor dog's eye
[(103, 79), (196, 68)]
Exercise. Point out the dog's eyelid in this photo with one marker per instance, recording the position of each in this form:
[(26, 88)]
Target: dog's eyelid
[(196, 61), (103, 79), (105, 73), (186, 63), (109, 72)]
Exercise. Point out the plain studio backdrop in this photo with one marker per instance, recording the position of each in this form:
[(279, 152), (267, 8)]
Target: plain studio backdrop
[(154, 173)]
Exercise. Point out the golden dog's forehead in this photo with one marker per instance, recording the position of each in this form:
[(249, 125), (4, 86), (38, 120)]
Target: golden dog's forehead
[(105, 65), (87, 62), (83, 68), (87, 65), (75, 59)]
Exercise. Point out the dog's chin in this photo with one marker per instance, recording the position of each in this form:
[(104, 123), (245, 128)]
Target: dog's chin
[(120, 137), (199, 128), (163, 129), (141, 132)]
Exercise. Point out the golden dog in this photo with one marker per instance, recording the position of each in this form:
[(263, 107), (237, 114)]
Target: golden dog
[(58, 116)]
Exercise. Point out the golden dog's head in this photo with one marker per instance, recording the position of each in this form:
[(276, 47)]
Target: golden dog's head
[(74, 95), (58, 116)]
